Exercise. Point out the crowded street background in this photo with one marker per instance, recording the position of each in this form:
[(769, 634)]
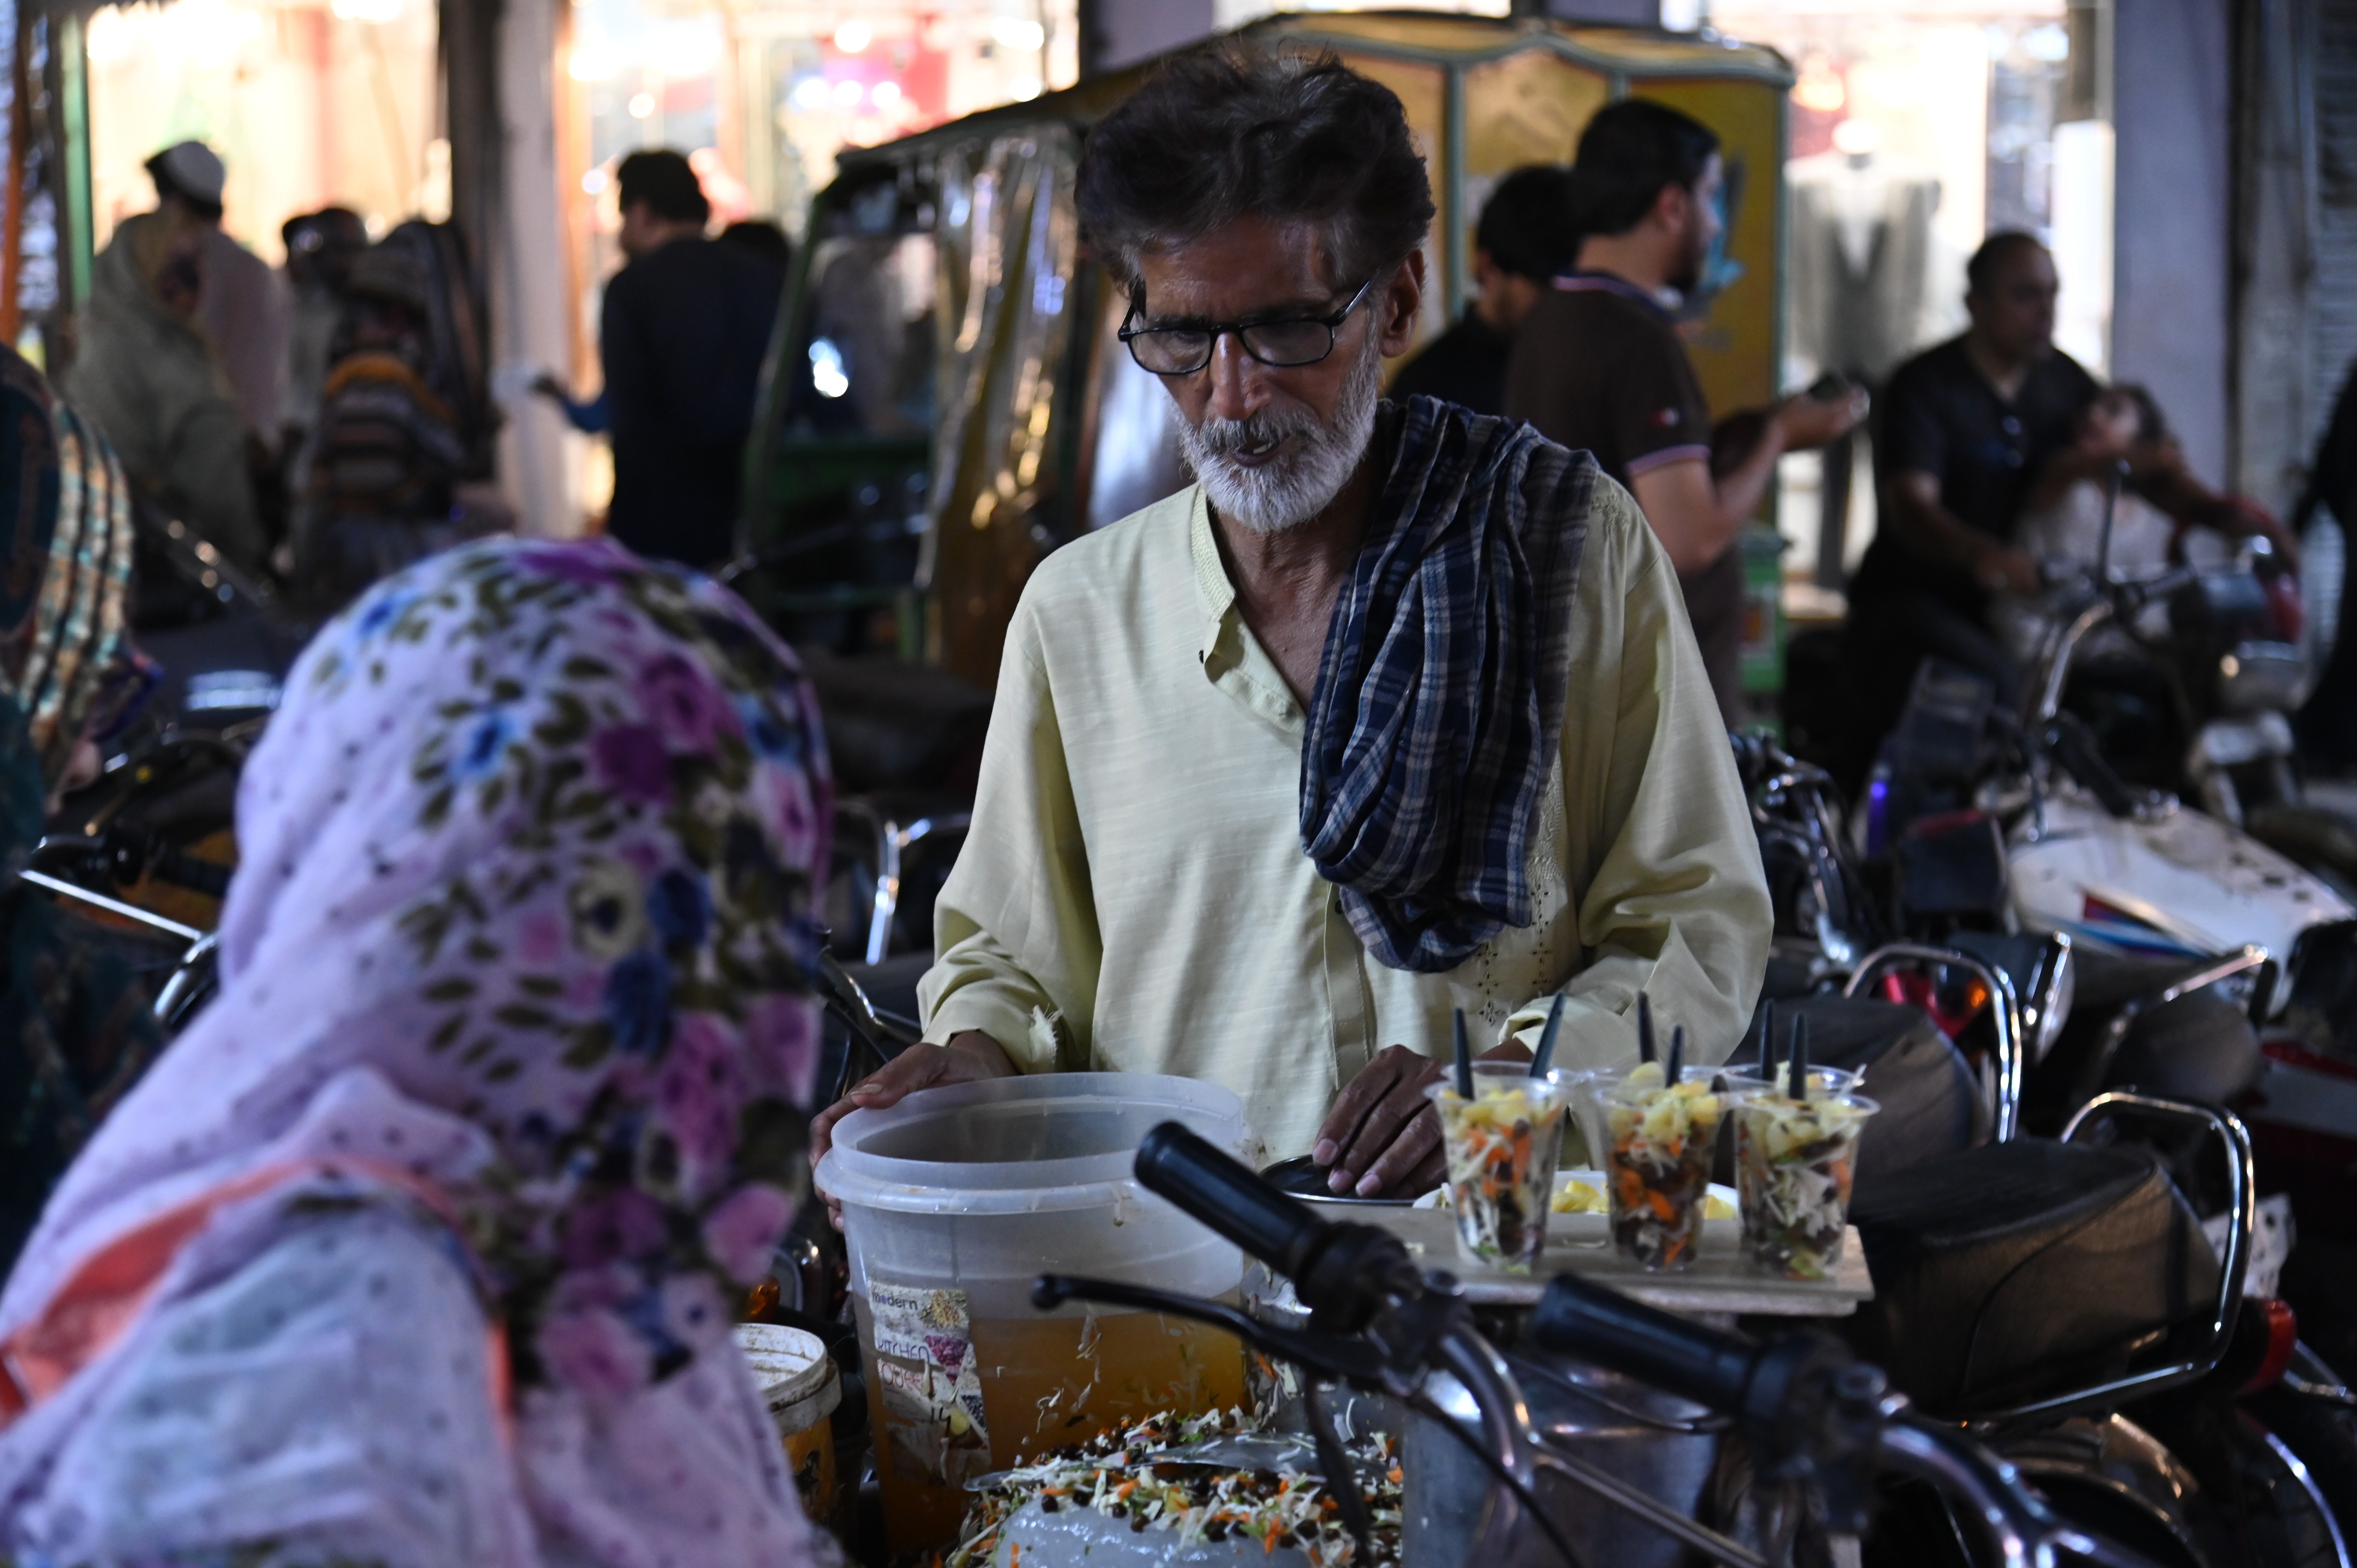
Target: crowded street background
[(938, 781)]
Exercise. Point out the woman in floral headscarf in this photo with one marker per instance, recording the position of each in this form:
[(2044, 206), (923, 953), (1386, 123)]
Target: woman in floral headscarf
[(418, 1248)]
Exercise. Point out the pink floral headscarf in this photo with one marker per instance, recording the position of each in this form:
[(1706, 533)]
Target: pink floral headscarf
[(525, 911)]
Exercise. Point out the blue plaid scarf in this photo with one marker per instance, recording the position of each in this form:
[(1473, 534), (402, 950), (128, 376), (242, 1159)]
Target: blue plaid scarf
[(1440, 697)]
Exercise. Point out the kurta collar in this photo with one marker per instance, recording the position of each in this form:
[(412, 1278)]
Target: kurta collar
[(1231, 657)]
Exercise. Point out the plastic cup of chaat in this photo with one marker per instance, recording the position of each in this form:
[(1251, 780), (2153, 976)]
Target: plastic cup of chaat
[(1658, 1139), (1793, 1163), (1502, 1147), (1750, 1079)]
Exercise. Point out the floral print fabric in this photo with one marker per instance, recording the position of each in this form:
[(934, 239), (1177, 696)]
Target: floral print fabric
[(525, 912)]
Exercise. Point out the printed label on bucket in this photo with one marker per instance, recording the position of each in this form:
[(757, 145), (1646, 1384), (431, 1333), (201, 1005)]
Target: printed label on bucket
[(935, 1429)]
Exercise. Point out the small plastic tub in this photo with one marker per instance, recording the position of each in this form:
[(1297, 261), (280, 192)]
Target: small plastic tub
[(800, 1384)]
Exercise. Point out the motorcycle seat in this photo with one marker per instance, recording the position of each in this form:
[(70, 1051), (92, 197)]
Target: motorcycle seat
[(2025, 1270)]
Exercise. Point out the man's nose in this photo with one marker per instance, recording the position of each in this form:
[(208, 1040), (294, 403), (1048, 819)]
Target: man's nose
[(1238, 388)]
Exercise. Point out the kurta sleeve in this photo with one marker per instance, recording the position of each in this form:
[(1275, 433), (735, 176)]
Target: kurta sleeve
[(1015, 928), (1674, 901)]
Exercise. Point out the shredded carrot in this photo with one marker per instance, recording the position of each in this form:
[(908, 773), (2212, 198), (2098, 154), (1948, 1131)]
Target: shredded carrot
[(1121, 1493), (1392, 1476)]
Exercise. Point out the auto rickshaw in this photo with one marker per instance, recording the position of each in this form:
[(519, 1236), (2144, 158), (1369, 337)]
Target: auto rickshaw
[(946, 401)]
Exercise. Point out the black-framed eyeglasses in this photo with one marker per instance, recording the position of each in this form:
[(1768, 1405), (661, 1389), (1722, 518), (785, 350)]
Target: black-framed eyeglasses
[(1281, 341)]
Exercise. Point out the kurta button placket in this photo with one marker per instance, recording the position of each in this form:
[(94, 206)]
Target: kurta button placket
[(1348, 1001)]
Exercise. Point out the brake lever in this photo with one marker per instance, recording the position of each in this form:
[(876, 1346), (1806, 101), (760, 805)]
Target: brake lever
[(1352, 1361)]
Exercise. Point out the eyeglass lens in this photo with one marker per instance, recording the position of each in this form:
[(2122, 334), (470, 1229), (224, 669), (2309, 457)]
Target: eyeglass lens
[(1178, 351)]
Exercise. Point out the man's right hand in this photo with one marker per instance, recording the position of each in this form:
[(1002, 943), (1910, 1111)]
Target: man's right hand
[(968, 1057), (1808, 422)]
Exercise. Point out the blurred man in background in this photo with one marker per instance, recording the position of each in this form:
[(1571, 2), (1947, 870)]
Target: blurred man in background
[(1599, 364), (1524, 240), (683, 334), (243, 307), (146, 375)]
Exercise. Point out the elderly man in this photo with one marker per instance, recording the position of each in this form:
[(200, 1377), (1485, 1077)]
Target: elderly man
[(1394, 712)]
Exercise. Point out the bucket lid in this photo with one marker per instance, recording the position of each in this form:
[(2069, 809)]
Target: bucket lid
[(1034, 1144), (790, 1365)]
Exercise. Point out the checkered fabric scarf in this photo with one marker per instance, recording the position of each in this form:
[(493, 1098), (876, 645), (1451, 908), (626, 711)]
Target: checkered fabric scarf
[(1441, 698)]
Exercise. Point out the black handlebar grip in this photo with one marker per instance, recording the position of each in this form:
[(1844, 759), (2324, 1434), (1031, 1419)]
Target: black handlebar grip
[(1229, 1197), (1576, 1317)]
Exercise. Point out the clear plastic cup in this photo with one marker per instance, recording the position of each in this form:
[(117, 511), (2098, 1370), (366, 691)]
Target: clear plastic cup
[(1659, 1139), (1503, 1147), (1588, 1097), (1749, 1079), (1793, 1163)]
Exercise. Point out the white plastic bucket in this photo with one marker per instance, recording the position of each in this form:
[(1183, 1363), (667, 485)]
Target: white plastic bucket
[(953, 1201)]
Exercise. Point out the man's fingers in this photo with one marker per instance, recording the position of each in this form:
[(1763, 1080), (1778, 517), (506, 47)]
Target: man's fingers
[(1418, 1141), (1383, 1124), (1426, 1176), (919, 1067), (1350, 1107), (1395, 1111)]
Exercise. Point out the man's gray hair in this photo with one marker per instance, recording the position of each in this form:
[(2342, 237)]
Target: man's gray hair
[(1231, 129)]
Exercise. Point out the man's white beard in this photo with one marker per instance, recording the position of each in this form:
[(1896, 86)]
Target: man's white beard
[(1298, 486)]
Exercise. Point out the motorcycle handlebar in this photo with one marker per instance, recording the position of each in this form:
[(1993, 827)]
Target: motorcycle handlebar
[(1230, 1198), (1606, 1328)]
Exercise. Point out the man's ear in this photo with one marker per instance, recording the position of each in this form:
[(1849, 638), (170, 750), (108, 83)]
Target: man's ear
[(1673, 208), (1403, 301)]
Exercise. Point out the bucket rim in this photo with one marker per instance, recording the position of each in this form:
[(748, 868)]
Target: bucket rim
[(854, 1176)]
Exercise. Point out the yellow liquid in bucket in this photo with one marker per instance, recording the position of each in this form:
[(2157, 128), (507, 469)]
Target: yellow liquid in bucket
[(1047, 1382)]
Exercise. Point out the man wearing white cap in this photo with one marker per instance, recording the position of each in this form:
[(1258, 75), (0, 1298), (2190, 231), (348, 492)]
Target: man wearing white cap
[(243, 305), (147, 374)]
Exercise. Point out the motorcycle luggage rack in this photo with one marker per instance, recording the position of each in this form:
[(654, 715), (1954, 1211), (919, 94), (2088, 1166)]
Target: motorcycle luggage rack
[(2002, 1080), (2252, 959), (2241, 1180)]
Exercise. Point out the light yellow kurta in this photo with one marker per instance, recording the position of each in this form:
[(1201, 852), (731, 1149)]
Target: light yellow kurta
[(1135, 871)]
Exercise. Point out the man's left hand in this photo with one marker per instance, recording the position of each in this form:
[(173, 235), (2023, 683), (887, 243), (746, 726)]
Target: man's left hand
[(1383, 1137)]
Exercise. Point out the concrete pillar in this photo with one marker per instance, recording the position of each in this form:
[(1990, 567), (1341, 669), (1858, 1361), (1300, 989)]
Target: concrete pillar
[(2173, 299), (2278, 234), (531, 304)]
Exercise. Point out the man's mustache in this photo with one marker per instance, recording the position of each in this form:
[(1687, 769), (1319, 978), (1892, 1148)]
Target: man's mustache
[(1225, 437)]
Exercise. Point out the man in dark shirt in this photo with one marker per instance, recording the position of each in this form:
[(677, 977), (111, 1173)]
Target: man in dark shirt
[(1967, 427), (683, 334), (1524, 237), (1599, 364)]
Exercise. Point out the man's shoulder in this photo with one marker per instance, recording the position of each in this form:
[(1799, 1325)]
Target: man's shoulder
[(1606, 307), (1940, 362), (1105, 566), (2068, 379), (1616, 524)]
